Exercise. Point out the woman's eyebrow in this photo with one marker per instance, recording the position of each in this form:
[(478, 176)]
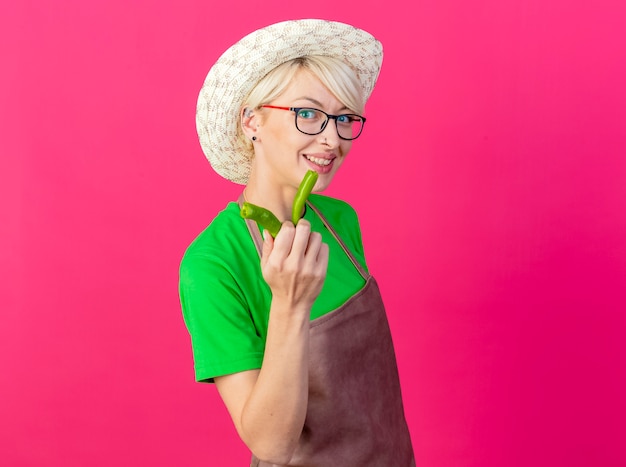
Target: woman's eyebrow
[(316, 102)]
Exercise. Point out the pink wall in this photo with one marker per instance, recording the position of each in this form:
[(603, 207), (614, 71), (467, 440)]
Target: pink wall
[(491, 182)]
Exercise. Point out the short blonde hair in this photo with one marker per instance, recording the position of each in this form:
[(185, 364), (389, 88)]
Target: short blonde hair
[(335, 74)]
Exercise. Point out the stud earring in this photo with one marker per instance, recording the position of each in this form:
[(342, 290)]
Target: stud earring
[(254, 138)]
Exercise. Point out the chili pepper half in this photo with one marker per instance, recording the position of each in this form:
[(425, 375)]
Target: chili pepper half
[(261, 215), (268, 220), (304, 190)]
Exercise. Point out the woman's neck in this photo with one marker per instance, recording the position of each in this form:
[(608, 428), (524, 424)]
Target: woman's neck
[(263, 192)]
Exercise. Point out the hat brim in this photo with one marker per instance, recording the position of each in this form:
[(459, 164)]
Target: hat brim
[(242, 66)]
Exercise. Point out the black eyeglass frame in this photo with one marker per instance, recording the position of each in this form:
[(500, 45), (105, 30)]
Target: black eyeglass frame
[(328, 118)]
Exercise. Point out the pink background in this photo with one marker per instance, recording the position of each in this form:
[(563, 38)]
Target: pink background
[(491, 183)]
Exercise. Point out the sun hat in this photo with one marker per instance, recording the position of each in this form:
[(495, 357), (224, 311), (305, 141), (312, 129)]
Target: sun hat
[(242, 66)]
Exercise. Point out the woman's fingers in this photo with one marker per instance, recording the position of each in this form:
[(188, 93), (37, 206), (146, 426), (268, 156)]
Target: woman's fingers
[(283, 241), (301, 238), (313, 245), (294, 263), (294, 242), (268, 246), (322, 258)]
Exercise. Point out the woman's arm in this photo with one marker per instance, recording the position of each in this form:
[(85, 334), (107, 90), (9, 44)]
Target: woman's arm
[(268, 406)]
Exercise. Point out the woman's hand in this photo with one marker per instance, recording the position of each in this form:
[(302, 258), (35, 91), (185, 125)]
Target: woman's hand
[(294, 265)]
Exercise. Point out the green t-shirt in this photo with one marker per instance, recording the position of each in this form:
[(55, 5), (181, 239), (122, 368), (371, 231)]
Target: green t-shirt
[(225, 300)]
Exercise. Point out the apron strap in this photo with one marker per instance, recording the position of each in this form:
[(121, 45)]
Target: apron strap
[(352, 258)]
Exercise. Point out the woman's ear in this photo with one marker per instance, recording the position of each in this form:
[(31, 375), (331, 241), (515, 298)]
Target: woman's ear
[(249, 123)]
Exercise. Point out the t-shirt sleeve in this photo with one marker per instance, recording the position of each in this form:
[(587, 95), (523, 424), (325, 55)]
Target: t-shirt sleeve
[(223, 335)]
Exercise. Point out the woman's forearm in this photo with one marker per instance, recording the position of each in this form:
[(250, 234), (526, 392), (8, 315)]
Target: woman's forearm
[(273, 416)]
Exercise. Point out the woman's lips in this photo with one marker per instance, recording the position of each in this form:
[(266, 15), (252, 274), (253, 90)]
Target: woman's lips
[(321, 163)]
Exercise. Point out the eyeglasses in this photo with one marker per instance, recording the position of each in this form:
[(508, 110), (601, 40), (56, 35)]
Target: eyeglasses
[(313, 121)]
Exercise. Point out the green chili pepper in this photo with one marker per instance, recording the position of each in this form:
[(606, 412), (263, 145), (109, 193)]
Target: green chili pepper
[(304, 190), (261, 215), (268, 220)]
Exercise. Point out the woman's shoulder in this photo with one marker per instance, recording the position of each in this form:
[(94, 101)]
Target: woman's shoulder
[(224, 233)]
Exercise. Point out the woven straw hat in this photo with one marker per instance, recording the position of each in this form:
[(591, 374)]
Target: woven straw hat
[(243, 65)]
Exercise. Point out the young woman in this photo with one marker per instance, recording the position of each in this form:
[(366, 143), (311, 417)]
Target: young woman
[(292, 329)]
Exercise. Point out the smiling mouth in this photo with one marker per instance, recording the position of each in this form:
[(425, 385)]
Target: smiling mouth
[(318, 160)]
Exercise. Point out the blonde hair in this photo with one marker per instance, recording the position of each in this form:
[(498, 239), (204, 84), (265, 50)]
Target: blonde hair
[(334, 73)]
